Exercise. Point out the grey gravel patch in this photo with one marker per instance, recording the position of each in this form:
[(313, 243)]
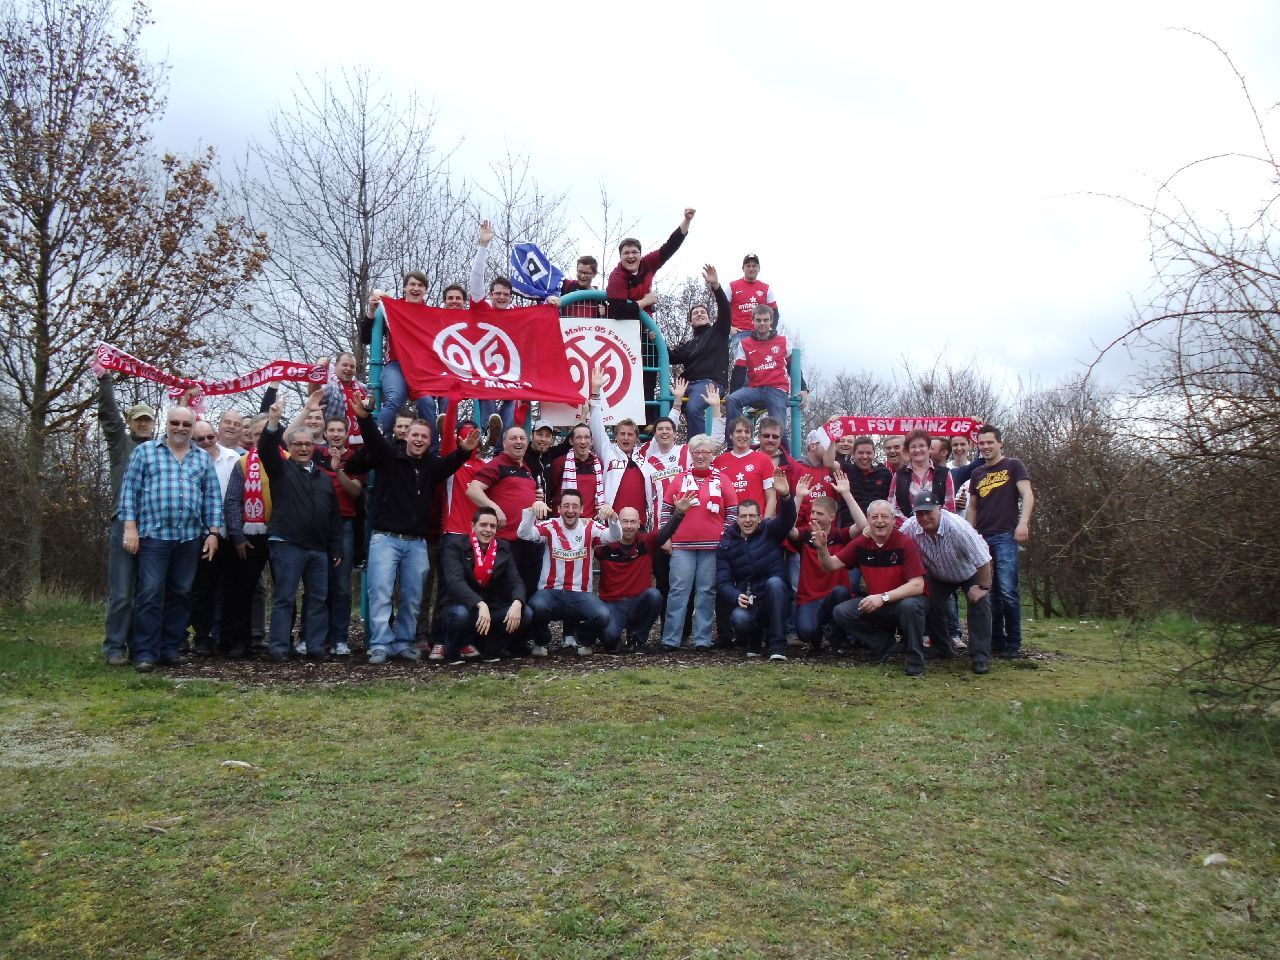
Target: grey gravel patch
[(27, 740)]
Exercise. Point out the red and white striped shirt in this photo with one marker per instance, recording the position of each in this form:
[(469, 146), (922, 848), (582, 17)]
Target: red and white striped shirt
[(662, 467), (566, 563)]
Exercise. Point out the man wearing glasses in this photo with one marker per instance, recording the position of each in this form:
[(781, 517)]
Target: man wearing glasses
[(171, 508), (305, 533)]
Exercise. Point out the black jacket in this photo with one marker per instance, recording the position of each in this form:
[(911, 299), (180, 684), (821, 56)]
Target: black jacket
[(705, 355), (903, 490), (457, 573), (400, 495), (743, 562), (304, 505)]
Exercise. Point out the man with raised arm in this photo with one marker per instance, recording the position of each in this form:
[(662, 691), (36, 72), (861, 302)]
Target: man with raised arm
[(751, 575), (484, 607), (492, 415), (627, 475), (1000, 507), (626, 579), (869, 481), (705, 355), (171, 508), (632, 280), (395, 389), (305, 532), (398, 516), (564, 586), (893, 578), (122, 434), (819, 591)]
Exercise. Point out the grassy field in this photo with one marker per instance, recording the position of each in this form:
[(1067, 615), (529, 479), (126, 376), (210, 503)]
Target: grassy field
[(1055, 808)]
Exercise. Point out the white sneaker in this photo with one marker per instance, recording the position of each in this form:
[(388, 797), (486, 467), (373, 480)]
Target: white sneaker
[(300, 647), (538, 651), (570, 641), (585, 651), (341, 650), (777, 658)]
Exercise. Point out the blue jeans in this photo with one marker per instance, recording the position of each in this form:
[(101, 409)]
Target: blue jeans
[(586, 610), (953, 617), (768, 615), (162, 602), (340, 587), (390, 558), (811, 617), (693, 574), (394, 393), (695, 408), (504, 408), (635, 614), (1006, 608), (291, 566), (122, 571), (773, 399)]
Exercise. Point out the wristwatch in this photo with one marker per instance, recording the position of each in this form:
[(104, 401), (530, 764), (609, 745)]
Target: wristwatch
[(884, 597)]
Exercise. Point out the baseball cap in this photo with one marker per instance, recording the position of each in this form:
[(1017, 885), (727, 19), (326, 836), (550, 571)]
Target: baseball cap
[(542, 425), (751, 258), (925, 500), (140, 410)]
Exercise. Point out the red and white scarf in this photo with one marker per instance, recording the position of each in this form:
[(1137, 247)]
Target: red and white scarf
[(690, 484), (569, 479), (354, 389), (107, 357), (255, 506), (484, 563)]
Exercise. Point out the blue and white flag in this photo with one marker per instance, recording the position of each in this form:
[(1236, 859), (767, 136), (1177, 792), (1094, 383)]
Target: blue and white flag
[(532, 274)]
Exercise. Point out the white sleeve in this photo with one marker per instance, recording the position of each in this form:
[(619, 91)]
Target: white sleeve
[(528, 529), (599, 436), (475, 285)]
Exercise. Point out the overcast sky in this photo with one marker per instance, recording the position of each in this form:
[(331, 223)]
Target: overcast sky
[(916, 178)]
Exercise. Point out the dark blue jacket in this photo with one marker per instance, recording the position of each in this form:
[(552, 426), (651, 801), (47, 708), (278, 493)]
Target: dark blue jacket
[(743, 562)]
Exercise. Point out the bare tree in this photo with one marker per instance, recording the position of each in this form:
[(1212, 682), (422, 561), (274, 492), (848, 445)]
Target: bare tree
[(99, 240), (1208, 405), (352, 190), (613, 227), (521, 211)]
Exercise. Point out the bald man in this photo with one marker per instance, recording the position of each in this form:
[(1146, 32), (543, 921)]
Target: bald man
[(626, 579)]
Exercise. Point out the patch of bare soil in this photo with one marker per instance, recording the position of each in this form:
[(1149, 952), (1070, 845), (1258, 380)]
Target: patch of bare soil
[(356, 670)]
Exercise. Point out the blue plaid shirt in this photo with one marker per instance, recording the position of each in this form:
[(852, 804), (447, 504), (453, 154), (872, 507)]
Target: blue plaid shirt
[(168, 498)]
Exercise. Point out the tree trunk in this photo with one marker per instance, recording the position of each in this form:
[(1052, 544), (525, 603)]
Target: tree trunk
[(29, 507)]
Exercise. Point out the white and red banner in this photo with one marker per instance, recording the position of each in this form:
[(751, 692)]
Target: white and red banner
[(482, 353), (839, 427), (614, 345), (107, 357)]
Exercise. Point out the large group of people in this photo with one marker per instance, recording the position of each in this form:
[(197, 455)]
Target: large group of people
[(477, 535)]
